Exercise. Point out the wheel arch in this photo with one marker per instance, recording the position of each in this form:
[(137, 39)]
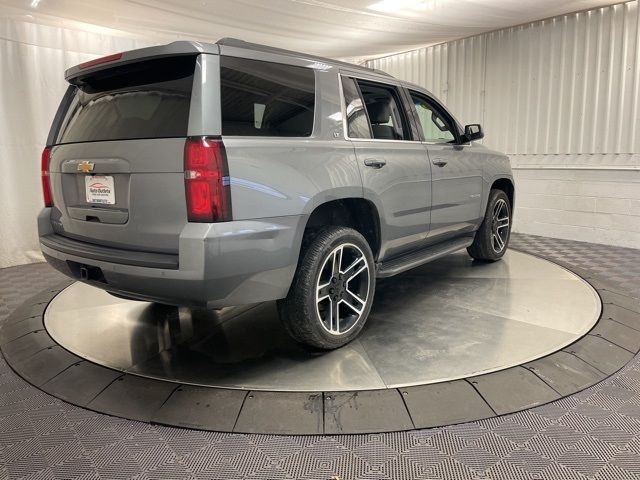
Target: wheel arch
[(506, 185), (354, 212)]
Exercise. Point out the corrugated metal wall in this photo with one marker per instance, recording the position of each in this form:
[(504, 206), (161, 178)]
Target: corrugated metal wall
[(565, 85), (561, 97)]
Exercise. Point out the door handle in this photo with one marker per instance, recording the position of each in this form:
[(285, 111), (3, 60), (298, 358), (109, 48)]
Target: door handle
[(438, 162), (374, 162)]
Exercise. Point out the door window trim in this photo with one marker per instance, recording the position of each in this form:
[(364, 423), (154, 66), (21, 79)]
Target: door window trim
[(343, 108)]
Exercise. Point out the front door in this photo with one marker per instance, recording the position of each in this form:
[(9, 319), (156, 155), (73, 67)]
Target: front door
[(457, 173)]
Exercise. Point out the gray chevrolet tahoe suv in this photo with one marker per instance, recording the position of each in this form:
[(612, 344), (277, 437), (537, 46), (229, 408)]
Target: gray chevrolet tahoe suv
[(232, 173)]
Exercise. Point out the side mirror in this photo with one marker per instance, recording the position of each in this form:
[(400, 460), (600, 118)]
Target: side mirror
[(473, 132)]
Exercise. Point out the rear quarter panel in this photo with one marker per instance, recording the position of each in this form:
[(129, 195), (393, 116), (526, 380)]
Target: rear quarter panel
[(279, 176)]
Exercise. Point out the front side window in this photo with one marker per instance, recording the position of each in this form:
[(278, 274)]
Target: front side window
[(435, 127), (383, 108), (357, 122), (266, 99)]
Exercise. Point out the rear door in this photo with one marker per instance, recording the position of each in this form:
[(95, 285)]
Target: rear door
[(396, 174), (457, 174), (117, 172)]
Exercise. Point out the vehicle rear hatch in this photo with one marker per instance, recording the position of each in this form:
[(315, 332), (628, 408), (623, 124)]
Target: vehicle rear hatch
[(116, 164)]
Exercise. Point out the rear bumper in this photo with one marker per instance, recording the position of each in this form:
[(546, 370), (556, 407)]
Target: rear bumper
[(218, 265), (92, 252)]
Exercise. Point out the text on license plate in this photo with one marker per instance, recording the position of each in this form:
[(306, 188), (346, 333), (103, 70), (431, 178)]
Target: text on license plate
[(100, 189)]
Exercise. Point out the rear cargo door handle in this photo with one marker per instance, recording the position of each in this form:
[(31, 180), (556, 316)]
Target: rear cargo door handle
[(374, 162), (438, 162)]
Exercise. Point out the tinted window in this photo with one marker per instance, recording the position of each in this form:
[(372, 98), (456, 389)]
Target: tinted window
[(266, 99), (383, 108), (141, 100), (435, 126), (357, 121)]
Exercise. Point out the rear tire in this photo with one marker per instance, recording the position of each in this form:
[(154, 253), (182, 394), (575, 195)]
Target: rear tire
[(492, 238), (332, 290)]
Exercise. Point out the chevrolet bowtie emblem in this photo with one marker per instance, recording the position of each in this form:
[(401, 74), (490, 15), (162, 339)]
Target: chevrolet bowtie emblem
[(85, 167)]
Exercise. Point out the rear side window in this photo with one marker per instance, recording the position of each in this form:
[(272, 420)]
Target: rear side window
[(148, 99), (383, 106), (266, 99)]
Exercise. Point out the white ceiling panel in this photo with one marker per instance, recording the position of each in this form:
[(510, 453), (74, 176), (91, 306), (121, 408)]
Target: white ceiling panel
[(333, 28)]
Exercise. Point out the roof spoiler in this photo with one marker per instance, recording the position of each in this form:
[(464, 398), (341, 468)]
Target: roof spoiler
[(75, 74)]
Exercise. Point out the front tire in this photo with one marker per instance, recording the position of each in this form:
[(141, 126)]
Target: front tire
[(332, 290), (492, 238)]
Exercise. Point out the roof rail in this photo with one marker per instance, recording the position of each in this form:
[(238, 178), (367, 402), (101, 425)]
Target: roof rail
[(235, 42)]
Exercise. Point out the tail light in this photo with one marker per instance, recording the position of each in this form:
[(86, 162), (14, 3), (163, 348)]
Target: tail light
[(44, 174), (206, 180)]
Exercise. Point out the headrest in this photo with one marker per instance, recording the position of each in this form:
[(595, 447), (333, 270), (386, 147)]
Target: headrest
[(379, 112)]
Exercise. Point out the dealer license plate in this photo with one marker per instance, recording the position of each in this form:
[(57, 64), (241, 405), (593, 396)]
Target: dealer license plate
[(100, 189)]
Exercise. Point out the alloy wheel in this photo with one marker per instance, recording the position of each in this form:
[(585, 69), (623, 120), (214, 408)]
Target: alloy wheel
[(342, 288), (500, 226)]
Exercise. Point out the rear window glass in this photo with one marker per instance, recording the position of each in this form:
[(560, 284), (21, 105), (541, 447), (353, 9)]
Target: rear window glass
[(147, 99), (266, 99)]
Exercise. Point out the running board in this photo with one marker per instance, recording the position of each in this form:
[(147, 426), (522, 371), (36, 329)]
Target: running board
[(426, 255)]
